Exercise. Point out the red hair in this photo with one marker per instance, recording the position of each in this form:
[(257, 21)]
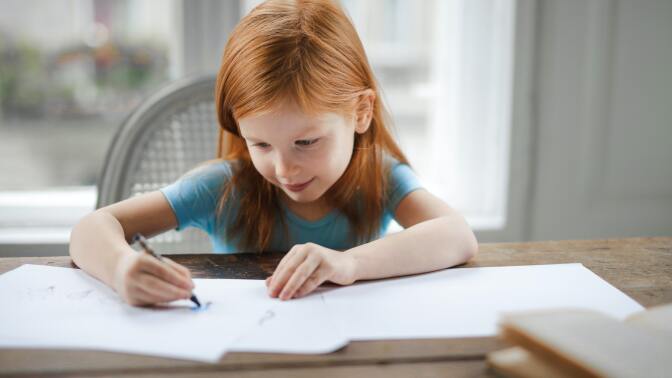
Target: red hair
[(307, 51)]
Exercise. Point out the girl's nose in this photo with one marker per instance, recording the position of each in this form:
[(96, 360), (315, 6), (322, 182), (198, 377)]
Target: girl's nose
[(285, 167)]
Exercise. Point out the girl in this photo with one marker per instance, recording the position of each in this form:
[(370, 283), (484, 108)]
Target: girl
[(306, 164)]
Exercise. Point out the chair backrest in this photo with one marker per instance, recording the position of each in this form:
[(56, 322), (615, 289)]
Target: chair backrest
[(170, 133)]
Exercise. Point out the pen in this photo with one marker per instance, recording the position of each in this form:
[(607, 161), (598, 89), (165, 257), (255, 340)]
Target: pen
[(143, 243)]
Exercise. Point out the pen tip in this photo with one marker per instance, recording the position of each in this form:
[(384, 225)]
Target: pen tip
[(195, 300)]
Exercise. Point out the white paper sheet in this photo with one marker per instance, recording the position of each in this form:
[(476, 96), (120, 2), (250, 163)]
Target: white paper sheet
[(302, 325), (467, 302), (66, 308), (47, 307)]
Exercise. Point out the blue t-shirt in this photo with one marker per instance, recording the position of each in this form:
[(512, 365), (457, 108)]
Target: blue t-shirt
[(195, 196)]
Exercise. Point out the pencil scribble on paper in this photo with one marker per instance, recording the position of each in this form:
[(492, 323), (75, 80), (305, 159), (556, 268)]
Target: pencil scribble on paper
[(202, 308), (40, 294), (80, 294), (267, 316)]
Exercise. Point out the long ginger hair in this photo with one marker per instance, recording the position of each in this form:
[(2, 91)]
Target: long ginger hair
[(307, 51)]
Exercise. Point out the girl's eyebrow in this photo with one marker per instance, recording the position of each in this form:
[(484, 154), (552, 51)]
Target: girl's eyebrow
[(307, 132)]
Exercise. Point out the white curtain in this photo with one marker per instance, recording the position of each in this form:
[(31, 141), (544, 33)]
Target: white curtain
[(471, 112)]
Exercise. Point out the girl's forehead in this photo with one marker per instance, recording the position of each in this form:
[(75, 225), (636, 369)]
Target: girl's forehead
[(290, 119)]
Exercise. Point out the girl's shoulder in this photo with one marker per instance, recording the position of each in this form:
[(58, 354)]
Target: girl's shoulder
[(211, 171), (401, 181), (209, 177), (395, 169)]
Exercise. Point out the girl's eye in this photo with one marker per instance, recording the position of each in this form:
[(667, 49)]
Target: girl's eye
[(262, 145), (306, 142)]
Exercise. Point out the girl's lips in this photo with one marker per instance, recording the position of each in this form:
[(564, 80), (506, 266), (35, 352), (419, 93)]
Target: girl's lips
[(299, 187)]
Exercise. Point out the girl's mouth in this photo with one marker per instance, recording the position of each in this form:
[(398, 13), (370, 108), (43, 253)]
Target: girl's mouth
[(299, 187)]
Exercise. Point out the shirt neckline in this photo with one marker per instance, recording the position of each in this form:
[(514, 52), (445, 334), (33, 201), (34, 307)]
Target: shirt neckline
[(306, 223)]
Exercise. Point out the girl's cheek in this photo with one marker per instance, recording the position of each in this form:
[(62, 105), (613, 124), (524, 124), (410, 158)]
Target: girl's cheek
[(267, 172), (262, 166), (318, 154)]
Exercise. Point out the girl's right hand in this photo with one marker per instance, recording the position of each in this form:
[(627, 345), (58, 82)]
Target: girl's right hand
[(142, 280)]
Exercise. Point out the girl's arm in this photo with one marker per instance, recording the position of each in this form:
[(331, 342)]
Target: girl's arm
[(435, 237), (99, 244)]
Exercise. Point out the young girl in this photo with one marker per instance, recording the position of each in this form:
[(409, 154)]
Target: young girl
[(306, 165)]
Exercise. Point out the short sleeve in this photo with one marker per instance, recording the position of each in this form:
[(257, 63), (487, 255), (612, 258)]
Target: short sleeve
[(402, 181), (194, 196)]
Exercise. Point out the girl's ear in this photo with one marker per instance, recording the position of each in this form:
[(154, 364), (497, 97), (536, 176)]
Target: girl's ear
[(364, 110)]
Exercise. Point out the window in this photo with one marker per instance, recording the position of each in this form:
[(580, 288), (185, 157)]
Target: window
[(70, 71), (445, 70)]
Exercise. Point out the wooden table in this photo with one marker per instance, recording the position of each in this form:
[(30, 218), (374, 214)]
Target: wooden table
[(640, 267)]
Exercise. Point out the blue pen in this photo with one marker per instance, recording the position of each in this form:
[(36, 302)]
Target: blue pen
[(143, 243)]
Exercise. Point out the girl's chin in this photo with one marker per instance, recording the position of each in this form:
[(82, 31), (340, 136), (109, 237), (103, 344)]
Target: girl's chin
[(307, 196), (301, 197)]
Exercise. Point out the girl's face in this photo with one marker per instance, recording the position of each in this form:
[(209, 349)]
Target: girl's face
[(301, 154)]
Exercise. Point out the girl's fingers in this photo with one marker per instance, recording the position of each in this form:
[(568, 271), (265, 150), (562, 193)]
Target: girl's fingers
[(301, 274), (292, 255), (312, 283), (284, 271), (165, 272), (142, 298), (161, 291), (180, 268)]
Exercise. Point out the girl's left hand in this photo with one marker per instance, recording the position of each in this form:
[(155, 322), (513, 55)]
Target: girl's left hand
[(307, 266)]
